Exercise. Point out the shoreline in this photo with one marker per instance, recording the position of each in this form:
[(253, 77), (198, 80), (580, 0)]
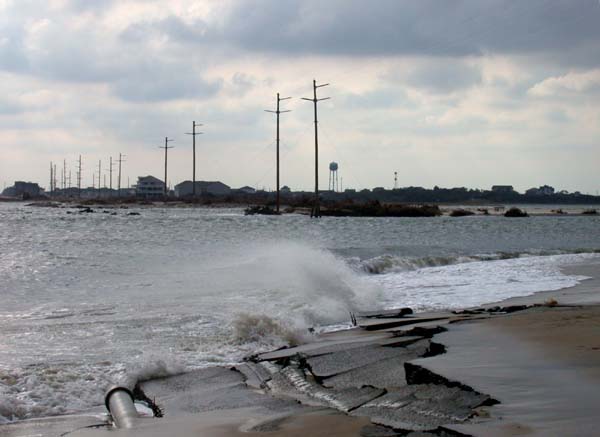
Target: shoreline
[(475, 209), (275, 395)]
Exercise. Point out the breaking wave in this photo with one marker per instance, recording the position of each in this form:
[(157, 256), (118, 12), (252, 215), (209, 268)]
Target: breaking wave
[(395, 264), (151, 368), (267, 331)]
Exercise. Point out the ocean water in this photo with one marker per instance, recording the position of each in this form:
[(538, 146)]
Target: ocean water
[(87, 300)]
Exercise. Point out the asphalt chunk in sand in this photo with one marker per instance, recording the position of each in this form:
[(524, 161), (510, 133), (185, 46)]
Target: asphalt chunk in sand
[(326, 346), (255, 375), (422, 407), (382, 374), (328, 365), (210, 389), (331, 346), (373, 324), (293, 382)]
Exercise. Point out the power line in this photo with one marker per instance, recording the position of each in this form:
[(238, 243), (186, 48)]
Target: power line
[(277, 112), (317, 208)]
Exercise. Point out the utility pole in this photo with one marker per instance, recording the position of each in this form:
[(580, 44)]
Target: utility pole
[(110, 168), (54, 182), (317, 208), (166, 147), (64, 174), (79, 177), (99, 174), (51, 178), (70, 185), (110, 172), (193, 134), (119, 177), (277, 112)]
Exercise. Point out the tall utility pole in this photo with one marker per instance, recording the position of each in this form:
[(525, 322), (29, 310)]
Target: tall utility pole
[(51, 178), (193, 134), (277, 112), (121, 156), (54, 182), (79, 177), (69, 179), (110, 171), (317, 208), (99, 175), (166, 147), (64, 174)]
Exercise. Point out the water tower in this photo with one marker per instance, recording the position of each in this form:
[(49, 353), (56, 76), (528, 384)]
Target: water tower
[(334, 184)]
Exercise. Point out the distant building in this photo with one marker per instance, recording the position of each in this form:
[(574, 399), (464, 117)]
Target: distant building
[(378, 190), (23, 189), (149, 187), (246, 190), (285, 190), (503, 189), (202, 187), (544, 190), (532, 192)]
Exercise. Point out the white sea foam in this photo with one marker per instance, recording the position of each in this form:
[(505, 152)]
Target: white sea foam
[(150, 368), (478, 282), (395, 263)]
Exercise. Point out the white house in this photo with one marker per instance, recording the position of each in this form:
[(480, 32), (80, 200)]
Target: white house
[(149, 187)]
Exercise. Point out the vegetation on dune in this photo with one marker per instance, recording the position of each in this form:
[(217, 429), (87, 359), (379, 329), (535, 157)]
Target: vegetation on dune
[(377, 209)]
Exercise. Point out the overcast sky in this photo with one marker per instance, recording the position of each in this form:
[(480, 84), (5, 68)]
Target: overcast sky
[(448, 92)]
